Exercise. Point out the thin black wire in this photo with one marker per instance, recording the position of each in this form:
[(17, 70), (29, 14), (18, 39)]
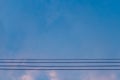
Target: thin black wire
[(60, 66), (64, 59), (59, 62), (56, 69)]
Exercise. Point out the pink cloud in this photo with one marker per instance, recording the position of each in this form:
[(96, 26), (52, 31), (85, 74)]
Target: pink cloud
[(29, 75), (96, 76), (53, 75)]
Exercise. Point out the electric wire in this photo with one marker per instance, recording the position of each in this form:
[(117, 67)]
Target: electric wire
[(110, 64)]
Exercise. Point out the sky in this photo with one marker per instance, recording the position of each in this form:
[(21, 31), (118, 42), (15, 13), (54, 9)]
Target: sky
[(59, 29)]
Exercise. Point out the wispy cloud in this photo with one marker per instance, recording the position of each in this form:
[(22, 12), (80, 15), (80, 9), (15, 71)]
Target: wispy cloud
[(53, 75), (97, 76), (29, 75)]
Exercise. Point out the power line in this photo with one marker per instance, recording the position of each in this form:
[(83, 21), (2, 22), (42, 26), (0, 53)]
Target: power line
[(59, 62), (66, 59), (60, 66), (55, 69), (109, 65)]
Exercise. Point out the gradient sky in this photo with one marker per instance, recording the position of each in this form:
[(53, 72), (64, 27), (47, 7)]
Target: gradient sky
[(59, 29)]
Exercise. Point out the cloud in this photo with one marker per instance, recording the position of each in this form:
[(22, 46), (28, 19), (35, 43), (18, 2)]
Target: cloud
[(98, 76), (29, 75), (88, 75), (53, 75)]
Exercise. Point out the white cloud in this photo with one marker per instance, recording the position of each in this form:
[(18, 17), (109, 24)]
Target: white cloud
[(96, 76), (29, 75), (53, 75)]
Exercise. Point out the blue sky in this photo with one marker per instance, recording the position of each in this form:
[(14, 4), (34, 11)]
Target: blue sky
[(59, 29)]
